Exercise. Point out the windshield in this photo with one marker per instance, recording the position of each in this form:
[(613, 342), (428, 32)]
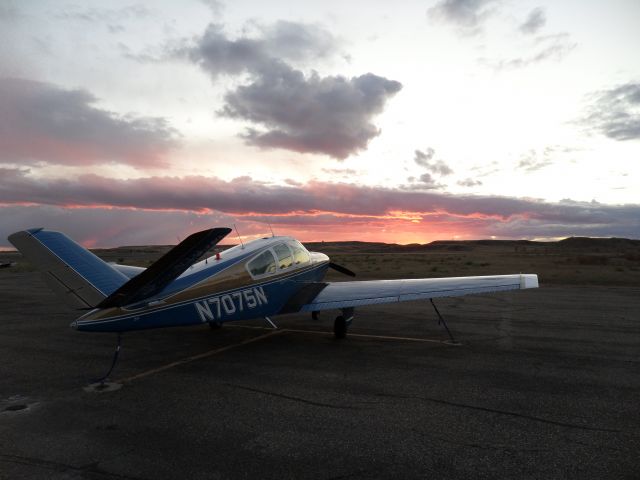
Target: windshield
[(285, 258)]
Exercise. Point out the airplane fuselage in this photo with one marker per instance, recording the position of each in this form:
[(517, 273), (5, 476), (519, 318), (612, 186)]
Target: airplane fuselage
[(218, 290)]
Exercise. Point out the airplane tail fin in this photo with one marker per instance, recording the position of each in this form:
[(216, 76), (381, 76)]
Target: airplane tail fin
[(78, 276)]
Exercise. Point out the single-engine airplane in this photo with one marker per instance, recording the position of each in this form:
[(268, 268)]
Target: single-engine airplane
[(259, 279)]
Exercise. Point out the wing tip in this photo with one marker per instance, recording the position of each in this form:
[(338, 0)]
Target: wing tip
[(528, 280)]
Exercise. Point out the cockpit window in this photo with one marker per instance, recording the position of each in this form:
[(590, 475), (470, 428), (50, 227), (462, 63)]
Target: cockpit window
[(285, 258), (263, 264), (300, 254)]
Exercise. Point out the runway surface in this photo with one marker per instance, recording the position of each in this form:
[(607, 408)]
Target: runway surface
[(545, 384)]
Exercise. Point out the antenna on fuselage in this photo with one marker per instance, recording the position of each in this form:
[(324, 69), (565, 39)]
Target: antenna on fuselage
[(272, 235), (239, 237)]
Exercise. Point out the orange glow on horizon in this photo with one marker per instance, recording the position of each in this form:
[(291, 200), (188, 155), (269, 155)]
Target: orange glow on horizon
[(395, 226)]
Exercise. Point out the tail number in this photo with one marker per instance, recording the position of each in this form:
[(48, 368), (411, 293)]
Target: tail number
[(215, 308)]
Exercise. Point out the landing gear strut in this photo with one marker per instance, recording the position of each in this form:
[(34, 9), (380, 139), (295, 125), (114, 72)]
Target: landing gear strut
[(104, 379), (342, 323), (441, 320)]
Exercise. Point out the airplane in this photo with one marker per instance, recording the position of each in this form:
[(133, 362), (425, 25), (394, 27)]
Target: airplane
[(258, 279)]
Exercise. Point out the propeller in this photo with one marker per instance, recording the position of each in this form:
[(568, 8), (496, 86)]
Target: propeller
[(341, 269)]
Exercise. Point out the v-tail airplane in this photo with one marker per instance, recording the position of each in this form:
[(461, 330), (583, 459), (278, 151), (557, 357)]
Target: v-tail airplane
[(260, 279)]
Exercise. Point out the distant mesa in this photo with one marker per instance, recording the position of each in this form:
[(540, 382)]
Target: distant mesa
[(589, 242)]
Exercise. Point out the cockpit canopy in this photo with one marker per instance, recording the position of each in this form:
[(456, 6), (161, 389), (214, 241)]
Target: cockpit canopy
[(289, 254)]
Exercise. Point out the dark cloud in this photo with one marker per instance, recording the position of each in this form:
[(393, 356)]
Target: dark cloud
[(295, 41), (345, 203), (469, 182), (305, 113), (534, 22), (427, 182), (283, 41), (425, 160), (548, 47), (218, 55), (616, 112), (468, 15), (40, 122), (311, 114)]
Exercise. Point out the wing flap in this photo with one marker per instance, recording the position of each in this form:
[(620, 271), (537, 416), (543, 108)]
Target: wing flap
[(354, 294), (166, 269)]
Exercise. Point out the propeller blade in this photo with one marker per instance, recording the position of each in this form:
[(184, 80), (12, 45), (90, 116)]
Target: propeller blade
[(342, 269)]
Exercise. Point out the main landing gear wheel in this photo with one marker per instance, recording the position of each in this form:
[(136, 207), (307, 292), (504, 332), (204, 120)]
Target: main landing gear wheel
[(215, 325), (340, 327)]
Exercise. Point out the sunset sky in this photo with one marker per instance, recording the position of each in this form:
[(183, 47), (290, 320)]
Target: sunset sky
[(138, 123)]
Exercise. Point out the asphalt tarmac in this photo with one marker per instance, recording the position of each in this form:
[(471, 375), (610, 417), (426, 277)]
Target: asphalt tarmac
[(544, 384)]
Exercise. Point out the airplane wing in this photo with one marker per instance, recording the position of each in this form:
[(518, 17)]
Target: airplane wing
[(354, 294)]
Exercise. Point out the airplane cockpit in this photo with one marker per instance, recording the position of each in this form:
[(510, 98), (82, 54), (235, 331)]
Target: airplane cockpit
[(288, 255)]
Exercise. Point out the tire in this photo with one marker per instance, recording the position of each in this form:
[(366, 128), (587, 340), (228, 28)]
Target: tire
[(340, 327)]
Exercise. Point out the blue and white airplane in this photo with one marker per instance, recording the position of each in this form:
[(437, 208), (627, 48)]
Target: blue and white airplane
[(260, 279)]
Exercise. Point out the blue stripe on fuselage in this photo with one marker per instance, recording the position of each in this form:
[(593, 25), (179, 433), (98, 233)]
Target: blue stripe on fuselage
[(270, 297)]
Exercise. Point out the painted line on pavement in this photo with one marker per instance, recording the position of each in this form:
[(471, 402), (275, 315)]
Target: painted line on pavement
[(359, 335), (193, 358), (272, 333)]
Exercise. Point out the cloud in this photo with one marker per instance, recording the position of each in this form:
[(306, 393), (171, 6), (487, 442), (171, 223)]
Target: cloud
[(216, 7), (469, 182), (615, 112), (9, 12), (347, 172), (330, 115), (434, 167), (109, 227), (103, 15), (40, 122), (532, 160), (295, 41), (547, 47), (305, 113), (337, 205), (425, 160), (534, 22), (427, 182), (467, 15), (283, 41)]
